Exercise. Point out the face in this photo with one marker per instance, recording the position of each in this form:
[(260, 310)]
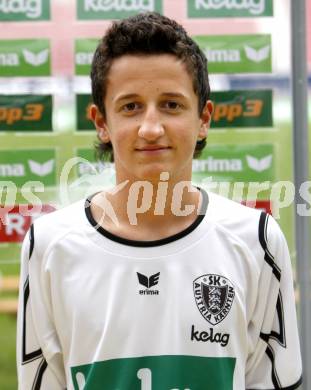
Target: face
[(151, 118)]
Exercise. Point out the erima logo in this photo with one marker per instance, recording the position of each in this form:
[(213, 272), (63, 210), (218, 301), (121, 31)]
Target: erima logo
[(14, 170), (32, 9), (153, 280), (257, 164), (9, 59), (221, 338), (212, 164), (118, 5), (257, 55), (84, 58), (225, 55), (36, 59), (214, 296), (43, 169), (12, 59), (234, 55)]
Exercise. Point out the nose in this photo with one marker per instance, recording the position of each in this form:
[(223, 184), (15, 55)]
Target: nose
[(151, 127)]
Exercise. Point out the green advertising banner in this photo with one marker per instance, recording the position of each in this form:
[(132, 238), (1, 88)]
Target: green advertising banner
[(247, 108), (237, 53), (25, 113), (83, 102), (231, 163), (20, 166), (115, 9), (84, 51), (229, 8), (25, 57), (245, 163), (239, 108), (24, 10), (91, 165), (225, 53)]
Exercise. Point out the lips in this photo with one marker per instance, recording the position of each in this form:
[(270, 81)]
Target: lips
[(152, 148)]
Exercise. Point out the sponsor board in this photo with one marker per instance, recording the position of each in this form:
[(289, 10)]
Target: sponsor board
[(24, 10), (83, 103), (247, 108), (240, 108), (171, 372), (115, 9), (25, 113), (237, 53), (231, 163), (91, 165), (229, 8), (15, 221), (84, 52), (20, 166), (25, 57)]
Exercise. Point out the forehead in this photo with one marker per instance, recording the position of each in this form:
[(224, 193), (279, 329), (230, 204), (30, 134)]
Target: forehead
[(135, 73)]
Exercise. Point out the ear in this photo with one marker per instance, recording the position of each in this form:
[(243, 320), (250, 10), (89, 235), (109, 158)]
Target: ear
[(100, 123), (206, 117)]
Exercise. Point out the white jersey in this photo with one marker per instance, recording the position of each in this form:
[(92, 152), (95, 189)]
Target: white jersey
[(210, 308)]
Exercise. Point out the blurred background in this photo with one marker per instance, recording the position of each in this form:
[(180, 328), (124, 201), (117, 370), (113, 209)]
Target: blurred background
[(46, 47)]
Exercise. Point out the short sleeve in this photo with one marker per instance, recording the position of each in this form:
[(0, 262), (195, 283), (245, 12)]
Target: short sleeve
[(39, 358), (274, 360)]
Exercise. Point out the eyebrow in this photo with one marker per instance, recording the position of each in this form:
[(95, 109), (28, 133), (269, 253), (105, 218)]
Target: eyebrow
[(135, 95), (127, 96), (174, 94)]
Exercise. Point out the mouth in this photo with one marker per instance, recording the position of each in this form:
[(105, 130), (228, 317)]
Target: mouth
[(153, 148)]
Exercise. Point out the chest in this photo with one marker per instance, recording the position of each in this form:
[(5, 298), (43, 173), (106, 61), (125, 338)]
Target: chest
[(196, 301)]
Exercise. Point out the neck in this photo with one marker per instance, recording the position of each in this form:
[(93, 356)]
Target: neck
[(154, 203)]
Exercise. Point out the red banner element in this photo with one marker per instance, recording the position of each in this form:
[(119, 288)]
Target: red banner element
[(264, 205), (16, 220)]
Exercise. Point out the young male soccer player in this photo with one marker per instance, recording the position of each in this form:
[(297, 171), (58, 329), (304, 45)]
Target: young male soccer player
[(187, 290)]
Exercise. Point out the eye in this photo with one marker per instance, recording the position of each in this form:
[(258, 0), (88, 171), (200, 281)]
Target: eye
[(172, 105), (130, 107)]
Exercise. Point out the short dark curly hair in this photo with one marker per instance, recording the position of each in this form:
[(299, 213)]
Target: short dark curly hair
[(147, 33)]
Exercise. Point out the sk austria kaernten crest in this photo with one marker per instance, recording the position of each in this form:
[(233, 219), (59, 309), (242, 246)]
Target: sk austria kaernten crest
[(214, 296)]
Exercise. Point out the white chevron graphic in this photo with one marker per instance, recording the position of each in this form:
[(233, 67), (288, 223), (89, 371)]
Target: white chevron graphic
[(259, 165), (257, 55), (41, 169), (36, 59)]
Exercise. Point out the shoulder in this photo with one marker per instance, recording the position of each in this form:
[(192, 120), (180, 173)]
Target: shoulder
[(233, 216), (257, 229), (54, 226)]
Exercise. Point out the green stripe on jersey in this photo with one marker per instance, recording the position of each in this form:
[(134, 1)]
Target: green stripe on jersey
[(170, 372)]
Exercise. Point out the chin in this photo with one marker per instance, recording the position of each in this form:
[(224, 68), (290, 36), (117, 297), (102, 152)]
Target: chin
[(150, 176), (152, 173)]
